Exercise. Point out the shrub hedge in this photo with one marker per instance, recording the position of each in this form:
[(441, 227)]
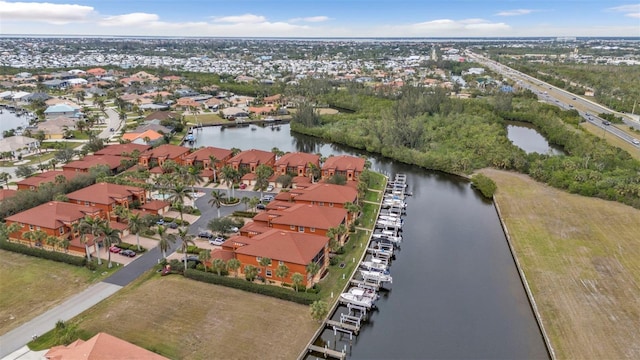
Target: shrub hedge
[(246, 214), (242, 284), (41, 253), (133, 247)]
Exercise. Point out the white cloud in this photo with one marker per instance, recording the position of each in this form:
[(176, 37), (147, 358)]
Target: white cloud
[(629, 10), (241, 19), (515, 12), (448, 27), (45, 12), (133, 19), (311, 19)]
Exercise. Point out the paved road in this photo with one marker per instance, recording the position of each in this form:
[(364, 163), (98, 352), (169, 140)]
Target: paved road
[(76, 304)]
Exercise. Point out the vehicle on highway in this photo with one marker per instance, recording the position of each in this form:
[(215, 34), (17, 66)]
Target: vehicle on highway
[(205, 235), (635, 141), (129, 253), (605, 122), (219, 240)]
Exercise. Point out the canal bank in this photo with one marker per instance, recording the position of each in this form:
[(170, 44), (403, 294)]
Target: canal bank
[(525, 284)]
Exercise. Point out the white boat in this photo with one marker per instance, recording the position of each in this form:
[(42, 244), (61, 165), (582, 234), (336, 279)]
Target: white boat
[(387, 237), (376, 276), (360, 297), (375, 265)]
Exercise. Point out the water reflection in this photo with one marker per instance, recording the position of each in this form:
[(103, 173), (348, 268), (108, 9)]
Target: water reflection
[(455, 293), (526, 137)]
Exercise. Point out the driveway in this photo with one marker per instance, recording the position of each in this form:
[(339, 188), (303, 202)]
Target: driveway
[(125, 260), (211, 212)]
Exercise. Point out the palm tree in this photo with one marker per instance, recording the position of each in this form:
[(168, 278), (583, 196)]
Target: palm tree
[(331, 234), (177, 194), (314, 172), (36, 237), (193, 177), (77, 227), (263, 172), (234, 265), (297, 280), (166, 239), (216, 200), (253, 202), (212, 164), (136, 224), (93, 226), (264, 262), (111, 236), (52, 241), (187, 239), (204, 256), (4, 177), (312, 269), (282, 271), (342, 231), (228, 174), (250, 272), (245, 200), (218, 265)]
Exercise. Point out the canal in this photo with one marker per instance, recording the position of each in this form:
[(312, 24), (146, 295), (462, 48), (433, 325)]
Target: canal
[(456, 292)]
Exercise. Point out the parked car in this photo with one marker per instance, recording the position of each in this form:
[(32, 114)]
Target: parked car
[(243, 186), (234, 229), (260, 207), (270, 188), (205, 235), (114, 249), (160, 222), (172, 225), (266, 198), (219, 240), (129, 253)]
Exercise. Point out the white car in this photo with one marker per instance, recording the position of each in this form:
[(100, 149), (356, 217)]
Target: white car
[(270, 188), (635, 141), (217, 241)]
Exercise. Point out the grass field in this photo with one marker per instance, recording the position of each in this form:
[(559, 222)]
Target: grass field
[(185, 319), (581, 257), (29, 286)]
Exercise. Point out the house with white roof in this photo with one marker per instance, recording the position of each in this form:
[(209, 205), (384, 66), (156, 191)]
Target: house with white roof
[(60, 110), (18, 145)]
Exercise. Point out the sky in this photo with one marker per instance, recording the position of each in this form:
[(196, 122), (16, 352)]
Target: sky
[(322, 18)]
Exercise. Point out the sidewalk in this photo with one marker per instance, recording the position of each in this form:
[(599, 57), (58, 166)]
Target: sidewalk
[(16, 338)]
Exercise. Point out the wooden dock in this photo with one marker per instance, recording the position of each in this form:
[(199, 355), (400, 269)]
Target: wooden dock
[(375, 286), (328, 352), (353, 328)]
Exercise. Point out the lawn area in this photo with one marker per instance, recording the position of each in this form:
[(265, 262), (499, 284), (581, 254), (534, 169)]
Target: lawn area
[(185, 319), (206, 119), (29, 286), (614, 140), (581, 257)]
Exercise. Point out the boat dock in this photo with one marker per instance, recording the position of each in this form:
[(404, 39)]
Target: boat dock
[(361, 297)]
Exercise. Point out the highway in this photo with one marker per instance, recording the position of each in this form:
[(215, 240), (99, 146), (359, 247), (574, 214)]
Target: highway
[(588, 109)]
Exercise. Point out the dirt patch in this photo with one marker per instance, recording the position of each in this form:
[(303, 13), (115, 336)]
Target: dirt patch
[(186, 319), (581, 257)]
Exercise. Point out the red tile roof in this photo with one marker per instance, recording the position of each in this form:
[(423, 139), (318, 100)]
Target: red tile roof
[(296, 159), (101, 347), (253, 156), (155, 205), (204, 153), (319, 217), (287, 246), (104, 193), (89, 161), (166, 150), (344, 163), (119, 149), (328, 193), (7, 193), (53, 214), (225, 255), (48, 176)]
